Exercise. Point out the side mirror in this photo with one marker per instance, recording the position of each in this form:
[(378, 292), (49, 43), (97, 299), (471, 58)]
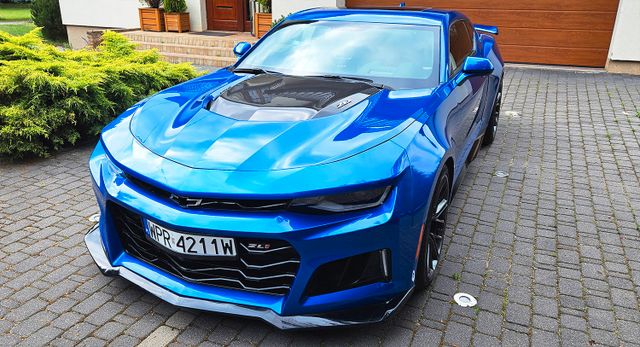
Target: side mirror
[(241, 48), (474, 66)]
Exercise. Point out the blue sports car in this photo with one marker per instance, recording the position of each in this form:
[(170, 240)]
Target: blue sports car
[(308, 184)]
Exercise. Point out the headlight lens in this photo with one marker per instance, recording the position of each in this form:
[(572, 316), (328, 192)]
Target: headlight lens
[(345, 202), (112, 168)]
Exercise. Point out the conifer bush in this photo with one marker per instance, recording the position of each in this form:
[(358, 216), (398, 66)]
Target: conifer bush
[(46, 14), (51, 98)]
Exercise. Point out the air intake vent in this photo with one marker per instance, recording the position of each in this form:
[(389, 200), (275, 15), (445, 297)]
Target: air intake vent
[(265, 266)]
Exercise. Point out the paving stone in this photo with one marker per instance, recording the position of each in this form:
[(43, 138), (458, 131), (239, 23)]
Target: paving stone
[(544, 338), (426, 337), (110, 330), (457, 334), (552, 252)]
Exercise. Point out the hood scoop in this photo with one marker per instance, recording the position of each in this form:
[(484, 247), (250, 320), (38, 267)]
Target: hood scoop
[(278, 98)]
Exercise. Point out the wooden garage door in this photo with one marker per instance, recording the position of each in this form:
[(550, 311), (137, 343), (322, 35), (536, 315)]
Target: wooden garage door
[(560, 32)]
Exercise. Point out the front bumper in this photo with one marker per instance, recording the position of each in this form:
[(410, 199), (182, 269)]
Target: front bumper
[(371, 314)]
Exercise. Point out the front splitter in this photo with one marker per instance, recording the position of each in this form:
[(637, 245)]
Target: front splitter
[(366, 315)]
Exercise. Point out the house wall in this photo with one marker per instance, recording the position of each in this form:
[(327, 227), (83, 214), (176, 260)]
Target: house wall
[(100, 13), (624, 53), (285, 7), (79, 16)]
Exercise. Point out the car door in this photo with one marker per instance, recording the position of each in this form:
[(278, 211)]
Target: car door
[(465, 97)]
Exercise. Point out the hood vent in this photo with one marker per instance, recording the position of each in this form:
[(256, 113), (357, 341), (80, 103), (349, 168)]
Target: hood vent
[(269, 97)]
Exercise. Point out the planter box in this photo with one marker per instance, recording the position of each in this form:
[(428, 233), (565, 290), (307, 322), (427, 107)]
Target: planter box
[(262, 23), (151, 19), (177, 22)]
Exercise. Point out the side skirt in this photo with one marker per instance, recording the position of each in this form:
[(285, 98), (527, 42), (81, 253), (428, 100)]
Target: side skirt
[(474, 150), (472, 155)]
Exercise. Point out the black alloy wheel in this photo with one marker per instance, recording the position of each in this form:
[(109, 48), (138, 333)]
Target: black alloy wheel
[(433, 235), (492, 127)]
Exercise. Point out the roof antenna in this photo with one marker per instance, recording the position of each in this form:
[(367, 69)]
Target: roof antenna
[(403, 4)]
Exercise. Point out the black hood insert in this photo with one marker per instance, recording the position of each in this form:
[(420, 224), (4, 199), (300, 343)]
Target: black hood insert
[(274, 97)]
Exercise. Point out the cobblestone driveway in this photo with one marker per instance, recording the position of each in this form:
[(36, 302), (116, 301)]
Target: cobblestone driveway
[(552, 252)]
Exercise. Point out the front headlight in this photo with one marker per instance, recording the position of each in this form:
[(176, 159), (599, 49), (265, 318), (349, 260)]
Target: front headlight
[(112, 168), (344, 202)]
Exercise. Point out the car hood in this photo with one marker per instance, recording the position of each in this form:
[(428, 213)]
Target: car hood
[(227, 121)]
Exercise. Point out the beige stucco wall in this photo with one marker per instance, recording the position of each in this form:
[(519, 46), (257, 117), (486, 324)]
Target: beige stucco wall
[(285, 7), (78, 35)]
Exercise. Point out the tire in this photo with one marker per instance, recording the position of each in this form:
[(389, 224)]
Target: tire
[(492, 127), (434, 232)]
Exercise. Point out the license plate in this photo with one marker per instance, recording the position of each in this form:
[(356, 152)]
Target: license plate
[(191, 244)]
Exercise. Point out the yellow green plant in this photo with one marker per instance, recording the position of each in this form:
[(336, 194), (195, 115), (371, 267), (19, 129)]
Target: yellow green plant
[(51, 98)]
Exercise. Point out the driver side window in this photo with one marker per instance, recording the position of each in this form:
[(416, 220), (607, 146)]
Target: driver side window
[(460, 45)]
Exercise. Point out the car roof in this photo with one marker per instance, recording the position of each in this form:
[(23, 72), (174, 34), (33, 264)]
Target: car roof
[(398, 15)]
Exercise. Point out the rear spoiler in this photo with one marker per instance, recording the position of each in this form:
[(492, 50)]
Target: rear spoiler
[(486, 29)]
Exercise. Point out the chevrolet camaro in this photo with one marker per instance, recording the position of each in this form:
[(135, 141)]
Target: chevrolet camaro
[(308, 184)]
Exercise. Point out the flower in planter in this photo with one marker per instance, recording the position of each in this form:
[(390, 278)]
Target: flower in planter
[(152, 3), (175, 6)]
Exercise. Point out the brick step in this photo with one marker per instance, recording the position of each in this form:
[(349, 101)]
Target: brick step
[(198, 59), (188, 49), (184, 39)]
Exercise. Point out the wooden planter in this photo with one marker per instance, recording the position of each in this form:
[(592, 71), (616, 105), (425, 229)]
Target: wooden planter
[(177, 22), (261, 23), (151, 19)]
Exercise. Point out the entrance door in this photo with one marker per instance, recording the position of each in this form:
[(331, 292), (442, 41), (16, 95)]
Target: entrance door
[(228, 15)]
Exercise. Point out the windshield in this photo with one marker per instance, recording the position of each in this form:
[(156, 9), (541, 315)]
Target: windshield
[(396, 55)]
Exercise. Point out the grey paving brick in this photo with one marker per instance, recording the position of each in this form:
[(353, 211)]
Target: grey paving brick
[(544, 338), (109, 331), (457, 334), (552, 252), (426, 337)]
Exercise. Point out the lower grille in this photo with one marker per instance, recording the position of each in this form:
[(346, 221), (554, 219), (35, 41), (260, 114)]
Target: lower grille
[(269, 270)]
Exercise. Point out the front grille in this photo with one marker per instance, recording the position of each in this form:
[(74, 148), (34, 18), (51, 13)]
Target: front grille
[(212, 203), (269, 270)]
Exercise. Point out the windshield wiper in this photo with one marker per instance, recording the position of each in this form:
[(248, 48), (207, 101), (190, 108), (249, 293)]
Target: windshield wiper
[(350, 78), (255, 71)]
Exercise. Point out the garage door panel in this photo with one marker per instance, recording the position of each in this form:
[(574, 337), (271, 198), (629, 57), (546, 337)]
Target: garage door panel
[(563, 5), (555, 55), (565, 32), (543, 19), (554, 37)]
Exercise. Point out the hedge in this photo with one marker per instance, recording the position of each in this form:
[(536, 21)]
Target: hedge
[(51, 98), (46, 14)]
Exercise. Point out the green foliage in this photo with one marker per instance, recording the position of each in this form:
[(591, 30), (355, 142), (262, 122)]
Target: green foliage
[(46, 14), (15, 12), (17, 29), (277, 21), (151, 3), (265, 5), (51, 98), (175, 6)]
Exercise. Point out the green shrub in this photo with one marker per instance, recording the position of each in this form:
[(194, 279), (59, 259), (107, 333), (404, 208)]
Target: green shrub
[(175, 6), (51, 98), (265, 5), (46, 14)]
